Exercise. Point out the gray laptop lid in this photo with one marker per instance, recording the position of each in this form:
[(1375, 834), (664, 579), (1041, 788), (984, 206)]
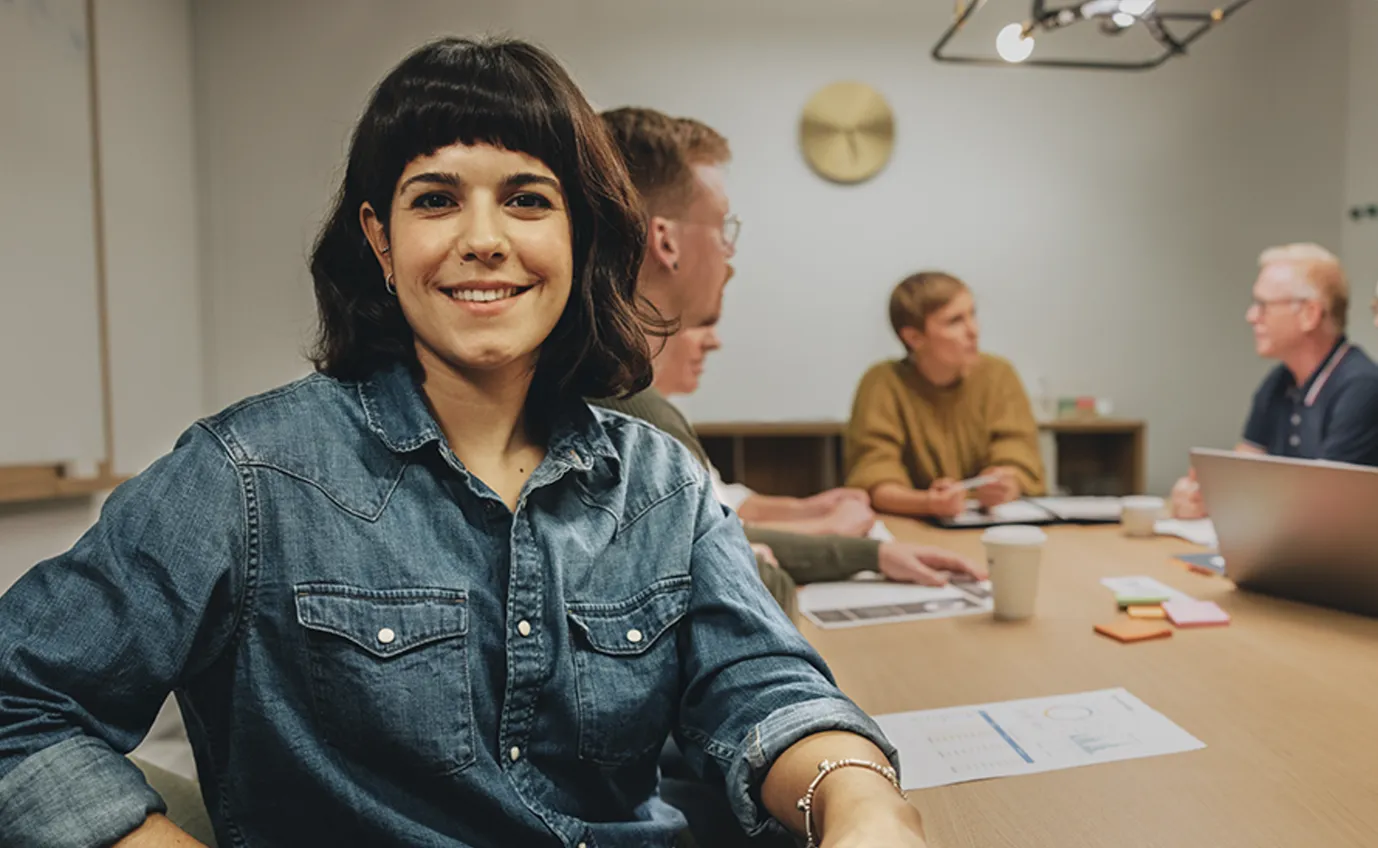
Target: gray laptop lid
[(1299, 529)]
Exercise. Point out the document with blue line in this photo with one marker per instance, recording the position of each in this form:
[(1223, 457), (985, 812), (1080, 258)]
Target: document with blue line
[(957, 744)]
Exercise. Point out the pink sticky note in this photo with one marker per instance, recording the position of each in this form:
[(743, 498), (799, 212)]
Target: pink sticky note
[(1185, 612)]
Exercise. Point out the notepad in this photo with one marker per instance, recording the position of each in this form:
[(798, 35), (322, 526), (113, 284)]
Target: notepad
[(1134, 631), (1191, 613), (1147, 611), (1140, 591)]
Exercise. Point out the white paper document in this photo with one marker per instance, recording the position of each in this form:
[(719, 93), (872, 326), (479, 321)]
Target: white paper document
[(1014, 512), (877, 601), (880, 533), (1096, 509), (958, 744), (1200, 531), (1143, 587)]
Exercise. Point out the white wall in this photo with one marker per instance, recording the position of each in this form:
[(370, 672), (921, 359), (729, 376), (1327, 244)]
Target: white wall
[(1109, 222), (144, 72), (1360, 243)]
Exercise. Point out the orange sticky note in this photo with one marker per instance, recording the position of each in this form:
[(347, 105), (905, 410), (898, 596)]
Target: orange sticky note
[(1134, 631), (1151, 611)]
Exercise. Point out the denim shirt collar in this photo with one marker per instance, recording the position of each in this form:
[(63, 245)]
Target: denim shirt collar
[(396, 412)]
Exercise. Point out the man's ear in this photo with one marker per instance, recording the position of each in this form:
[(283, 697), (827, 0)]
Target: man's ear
[(662, 238), (1312, 315)]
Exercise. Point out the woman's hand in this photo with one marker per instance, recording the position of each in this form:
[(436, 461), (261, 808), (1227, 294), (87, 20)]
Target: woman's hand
[(946, 499), (1002, 491)]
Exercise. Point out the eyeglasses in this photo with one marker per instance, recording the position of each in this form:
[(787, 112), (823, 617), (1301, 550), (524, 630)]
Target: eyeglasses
[(731, 228), (1262, 304)]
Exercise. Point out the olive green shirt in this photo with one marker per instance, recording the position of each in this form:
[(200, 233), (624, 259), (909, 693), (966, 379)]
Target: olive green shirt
[(808, 559)]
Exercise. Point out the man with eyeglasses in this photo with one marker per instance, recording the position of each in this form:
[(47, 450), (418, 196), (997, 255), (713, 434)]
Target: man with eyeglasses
[(1321, 401), (676, 165)]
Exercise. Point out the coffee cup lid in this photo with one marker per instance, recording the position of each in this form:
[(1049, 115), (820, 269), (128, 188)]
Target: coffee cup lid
[(1014, 534)]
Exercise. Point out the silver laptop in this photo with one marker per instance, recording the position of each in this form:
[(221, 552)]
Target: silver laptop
[(1305, 530)]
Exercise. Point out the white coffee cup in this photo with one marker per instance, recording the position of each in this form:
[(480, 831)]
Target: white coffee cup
[(1139, 513), (1013, 552)]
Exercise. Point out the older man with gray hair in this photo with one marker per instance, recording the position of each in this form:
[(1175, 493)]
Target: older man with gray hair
[(1321, 401)]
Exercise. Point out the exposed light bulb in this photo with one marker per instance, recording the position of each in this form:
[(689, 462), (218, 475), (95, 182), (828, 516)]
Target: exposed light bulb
[(1123, 19), (1013, 45)]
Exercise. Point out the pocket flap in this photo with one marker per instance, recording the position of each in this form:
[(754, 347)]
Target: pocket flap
[(384, 622), (632, 626)]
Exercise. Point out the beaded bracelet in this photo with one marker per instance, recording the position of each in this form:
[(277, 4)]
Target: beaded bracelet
[(826, 768)]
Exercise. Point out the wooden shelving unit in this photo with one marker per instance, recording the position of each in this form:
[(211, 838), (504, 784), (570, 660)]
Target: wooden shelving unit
[(1091, 456), (19, 483)]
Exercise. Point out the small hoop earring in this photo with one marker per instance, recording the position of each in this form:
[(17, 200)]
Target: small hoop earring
[(389, 285), (387, 248)]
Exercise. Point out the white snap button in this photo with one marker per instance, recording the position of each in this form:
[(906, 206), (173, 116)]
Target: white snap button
[(1296, 419), (524, 627), (1294, 441), (386, 636), (634, 636), (515, 753)]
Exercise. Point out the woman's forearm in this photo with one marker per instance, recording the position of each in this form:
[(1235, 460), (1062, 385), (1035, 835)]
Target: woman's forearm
[(840, 793)]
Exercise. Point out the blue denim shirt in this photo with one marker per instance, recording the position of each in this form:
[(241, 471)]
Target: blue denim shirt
[(369, 647)]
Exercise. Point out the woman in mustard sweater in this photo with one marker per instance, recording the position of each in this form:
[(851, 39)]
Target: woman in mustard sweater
[(944, 413)]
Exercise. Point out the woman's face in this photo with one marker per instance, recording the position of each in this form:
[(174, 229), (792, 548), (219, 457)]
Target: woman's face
[(951, 336), (479, 249)]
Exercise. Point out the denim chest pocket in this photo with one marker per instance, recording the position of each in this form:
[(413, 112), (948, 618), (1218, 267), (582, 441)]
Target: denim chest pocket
[(389, 674), (627, 671)]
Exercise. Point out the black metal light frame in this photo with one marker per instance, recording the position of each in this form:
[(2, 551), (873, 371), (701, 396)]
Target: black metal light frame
[(1159, 24)]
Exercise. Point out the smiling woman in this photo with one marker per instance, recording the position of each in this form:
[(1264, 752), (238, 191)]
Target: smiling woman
[(471, 155), (428, 594)]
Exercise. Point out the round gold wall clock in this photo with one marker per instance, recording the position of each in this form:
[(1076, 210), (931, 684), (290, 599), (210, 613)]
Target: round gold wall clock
[(847, 132)]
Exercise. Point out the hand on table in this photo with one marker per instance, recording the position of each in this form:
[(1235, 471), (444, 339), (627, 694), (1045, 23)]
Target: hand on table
[(849, 518), (904, 562), (826, 501)]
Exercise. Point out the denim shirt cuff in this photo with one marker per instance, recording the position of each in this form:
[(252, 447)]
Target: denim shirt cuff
[(78, 792), (773, 736)]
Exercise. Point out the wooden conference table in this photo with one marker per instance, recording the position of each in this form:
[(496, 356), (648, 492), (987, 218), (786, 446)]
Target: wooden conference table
[(1285, 698)]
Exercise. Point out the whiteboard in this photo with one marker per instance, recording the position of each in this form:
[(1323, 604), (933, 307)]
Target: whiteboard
[(50, 376)]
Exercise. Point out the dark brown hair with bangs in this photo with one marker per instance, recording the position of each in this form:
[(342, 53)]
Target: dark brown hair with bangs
[(512, 95)]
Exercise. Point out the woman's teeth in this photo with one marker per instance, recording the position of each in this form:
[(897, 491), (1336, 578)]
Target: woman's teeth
[(483, 295)]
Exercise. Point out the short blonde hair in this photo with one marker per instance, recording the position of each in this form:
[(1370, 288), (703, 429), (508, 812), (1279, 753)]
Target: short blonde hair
[(919, 296), (1318, 275)]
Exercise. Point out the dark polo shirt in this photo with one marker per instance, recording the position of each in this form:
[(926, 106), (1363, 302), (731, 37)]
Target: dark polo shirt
[(1333, 416)]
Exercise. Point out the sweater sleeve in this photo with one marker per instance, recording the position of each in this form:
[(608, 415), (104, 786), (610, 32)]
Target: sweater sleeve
[(1014, 432), (876, 436), (814, 559)]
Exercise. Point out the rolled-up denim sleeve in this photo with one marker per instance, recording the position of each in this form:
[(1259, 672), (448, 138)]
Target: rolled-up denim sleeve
[(753, 686), (93, 640)]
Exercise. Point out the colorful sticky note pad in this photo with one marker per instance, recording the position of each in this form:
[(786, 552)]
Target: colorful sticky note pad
[(1184, 613), (1133, 631), (1140, 599), (1143, 611)]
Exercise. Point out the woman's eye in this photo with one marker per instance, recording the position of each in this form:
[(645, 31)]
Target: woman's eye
[(530, 200), (432, 200)]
